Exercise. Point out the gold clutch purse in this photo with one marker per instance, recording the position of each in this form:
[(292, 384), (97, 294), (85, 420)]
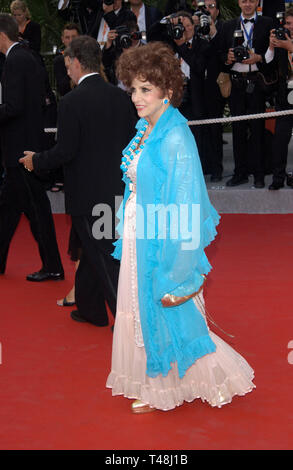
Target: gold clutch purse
[(170, 300)]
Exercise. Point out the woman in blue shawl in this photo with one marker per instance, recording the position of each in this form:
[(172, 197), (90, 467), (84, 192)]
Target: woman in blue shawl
[(163, 351)]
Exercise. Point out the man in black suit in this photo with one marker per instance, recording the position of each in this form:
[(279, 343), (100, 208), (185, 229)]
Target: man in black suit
[(246, 95), (213, 106), (63, 82), (145, 16), (108, 18), (21, 121), (82, 12), (95, 123), (283, 57)]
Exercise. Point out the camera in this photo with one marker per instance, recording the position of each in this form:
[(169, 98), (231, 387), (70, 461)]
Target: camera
[(281, 32), (174, 31), (241, 52), (125, 37), (204, 19)]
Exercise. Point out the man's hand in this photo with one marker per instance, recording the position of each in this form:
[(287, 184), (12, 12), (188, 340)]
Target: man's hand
[(230, 57), (213, 29), (108, 8), (27, 160), (184, 38), (195, 20), (281, 43), (110, 38), (253, 58)]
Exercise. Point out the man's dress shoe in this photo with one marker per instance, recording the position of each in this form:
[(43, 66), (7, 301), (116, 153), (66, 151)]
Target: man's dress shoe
[(42, 275), (216, 178), (259, 183), (75, 315), (290, 180), (237, 180), (276, 185)]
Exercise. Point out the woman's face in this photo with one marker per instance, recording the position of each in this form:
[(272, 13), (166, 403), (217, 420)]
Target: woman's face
[(148, 100), (19, 16)]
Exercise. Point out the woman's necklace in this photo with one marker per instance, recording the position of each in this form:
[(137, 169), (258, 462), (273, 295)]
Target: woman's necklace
[(135, 148)]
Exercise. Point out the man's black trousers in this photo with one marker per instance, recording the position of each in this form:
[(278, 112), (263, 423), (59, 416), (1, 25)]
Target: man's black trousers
[(22, 192), (96, 278)]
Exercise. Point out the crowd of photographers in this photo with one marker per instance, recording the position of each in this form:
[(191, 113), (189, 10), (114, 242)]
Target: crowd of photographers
[(245, 63)]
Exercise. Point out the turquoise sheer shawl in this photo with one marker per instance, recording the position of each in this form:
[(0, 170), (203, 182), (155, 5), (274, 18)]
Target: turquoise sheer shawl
[(174, 224)]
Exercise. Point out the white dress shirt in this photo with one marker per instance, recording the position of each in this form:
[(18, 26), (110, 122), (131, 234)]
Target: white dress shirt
[(87, 75)]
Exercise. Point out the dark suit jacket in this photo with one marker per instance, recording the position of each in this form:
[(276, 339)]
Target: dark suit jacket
[(22, 111), (152, 15), (111, 19), (84, 15), (260, 42), (271, 7), (61, 76), (281, 63), (95, 123)]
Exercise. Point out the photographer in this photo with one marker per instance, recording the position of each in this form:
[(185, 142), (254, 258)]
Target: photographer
[(282, 49), (213, 107), (110, 14), (247, 96), (82, 12), (146, 16), (190, 51), (118, 40)]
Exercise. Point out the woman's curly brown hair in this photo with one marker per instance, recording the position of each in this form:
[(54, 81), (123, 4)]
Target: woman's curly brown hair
[(156, 63)]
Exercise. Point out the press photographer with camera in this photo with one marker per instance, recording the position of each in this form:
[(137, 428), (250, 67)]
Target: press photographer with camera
[(281, 47), (119, 39), (244, 42), (81, 12), (181, 31), (146, 15), (110, 14), (208, 28)]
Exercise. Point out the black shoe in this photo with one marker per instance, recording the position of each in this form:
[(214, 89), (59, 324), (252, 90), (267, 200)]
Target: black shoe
[(237, 180), (75, 315), (276, 185), (290, 180), (42, 275), (216, 178), (259, 183)]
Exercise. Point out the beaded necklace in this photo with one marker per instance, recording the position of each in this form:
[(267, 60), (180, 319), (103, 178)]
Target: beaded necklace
[(134, 149)]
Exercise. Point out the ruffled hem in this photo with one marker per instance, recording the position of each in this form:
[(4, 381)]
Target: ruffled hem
[(214, 378), (166, 400)]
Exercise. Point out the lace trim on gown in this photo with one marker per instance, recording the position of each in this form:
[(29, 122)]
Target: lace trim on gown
[(131, 209)]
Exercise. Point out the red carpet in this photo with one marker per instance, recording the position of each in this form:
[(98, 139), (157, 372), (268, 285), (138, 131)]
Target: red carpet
[(54, 370)]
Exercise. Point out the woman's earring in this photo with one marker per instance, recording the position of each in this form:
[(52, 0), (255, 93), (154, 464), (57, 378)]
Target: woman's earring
[(166, 101)]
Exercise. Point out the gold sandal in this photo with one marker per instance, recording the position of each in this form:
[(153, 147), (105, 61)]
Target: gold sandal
[(139, 407)]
